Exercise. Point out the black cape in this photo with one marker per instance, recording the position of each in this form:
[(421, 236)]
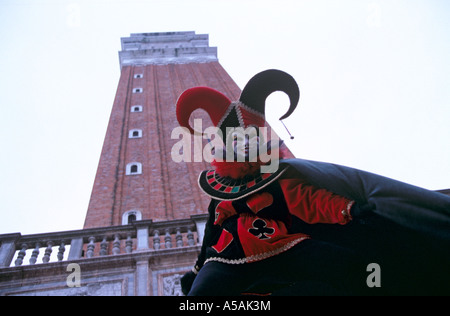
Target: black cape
[(403, 228)]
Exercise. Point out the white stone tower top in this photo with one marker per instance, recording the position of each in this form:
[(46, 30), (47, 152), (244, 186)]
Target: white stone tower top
[(166, 48)]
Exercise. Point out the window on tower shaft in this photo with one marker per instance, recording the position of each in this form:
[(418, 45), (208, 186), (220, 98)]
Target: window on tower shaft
[(131, 216), (135, 133), (136, 108), (133, 168)]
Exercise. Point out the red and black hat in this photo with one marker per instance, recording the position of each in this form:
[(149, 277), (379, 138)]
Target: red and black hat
[(249, 110)]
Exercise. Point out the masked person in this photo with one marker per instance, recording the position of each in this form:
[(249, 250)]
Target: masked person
[(303, 227)]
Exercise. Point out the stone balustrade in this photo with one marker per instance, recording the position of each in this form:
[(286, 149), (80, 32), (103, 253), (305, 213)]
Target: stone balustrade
[(139, 236)]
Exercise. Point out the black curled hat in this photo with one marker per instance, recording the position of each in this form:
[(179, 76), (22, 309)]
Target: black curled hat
[(249, 110)]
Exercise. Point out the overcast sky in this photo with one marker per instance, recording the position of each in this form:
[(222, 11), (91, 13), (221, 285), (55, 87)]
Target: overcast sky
[(374, 78)]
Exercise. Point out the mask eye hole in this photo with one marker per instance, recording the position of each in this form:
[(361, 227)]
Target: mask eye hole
[(237, 136)]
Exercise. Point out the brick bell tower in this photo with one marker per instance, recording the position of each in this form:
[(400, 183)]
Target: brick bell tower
[(136, 177)]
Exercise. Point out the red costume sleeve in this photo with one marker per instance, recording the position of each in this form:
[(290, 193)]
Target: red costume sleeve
[(314, 205)]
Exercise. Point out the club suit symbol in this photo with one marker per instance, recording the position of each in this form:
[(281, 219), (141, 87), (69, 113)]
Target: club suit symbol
[(261, 230)]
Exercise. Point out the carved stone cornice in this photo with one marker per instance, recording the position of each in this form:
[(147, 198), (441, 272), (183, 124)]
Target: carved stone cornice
[(166, 48)]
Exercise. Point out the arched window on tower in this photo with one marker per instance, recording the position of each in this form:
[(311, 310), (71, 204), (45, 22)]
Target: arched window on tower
[(135, 133), (131, 216), (133, 168), (136, 108)]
